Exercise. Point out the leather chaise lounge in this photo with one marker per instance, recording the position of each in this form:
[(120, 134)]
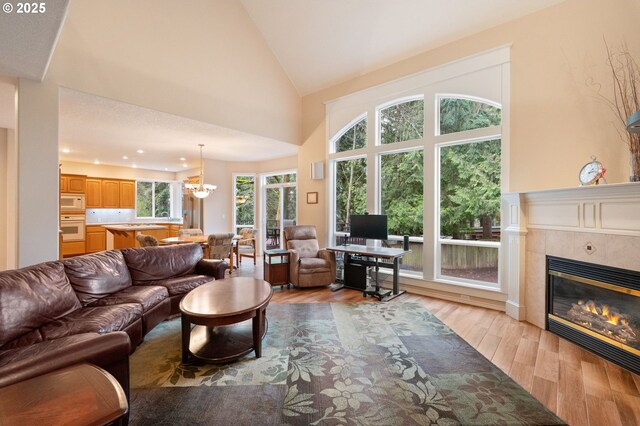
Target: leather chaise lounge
[(94, 308)]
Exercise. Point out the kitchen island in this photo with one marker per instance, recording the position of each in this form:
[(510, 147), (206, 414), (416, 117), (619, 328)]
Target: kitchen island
[(124, 236)]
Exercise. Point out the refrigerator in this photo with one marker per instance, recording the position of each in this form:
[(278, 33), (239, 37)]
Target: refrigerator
[(192, 212)]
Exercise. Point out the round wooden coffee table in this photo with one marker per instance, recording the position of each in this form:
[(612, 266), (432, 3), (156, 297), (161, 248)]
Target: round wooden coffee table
[(229, 317)]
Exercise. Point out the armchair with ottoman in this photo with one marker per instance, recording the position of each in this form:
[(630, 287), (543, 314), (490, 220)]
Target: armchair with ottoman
[(309, 266), (94, 308)]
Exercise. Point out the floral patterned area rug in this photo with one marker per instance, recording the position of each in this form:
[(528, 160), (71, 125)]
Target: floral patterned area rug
[(329, 364)]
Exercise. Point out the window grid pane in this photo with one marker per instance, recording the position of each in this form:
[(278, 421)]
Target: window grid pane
[(457, 115), (144, 199), (351, 191), (162, 199), (402, 201), (402, 122), (354, 138), (245, 201)]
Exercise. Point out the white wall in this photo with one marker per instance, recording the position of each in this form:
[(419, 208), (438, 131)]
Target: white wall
[(38, 182), (3, 199)]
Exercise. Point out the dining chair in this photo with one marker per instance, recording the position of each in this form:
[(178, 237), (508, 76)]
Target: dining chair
[(246, 245), (146, 240), (220, 245), (190, 232)]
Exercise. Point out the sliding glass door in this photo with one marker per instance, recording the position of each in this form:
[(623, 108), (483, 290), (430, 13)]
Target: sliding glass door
[(279, 207)]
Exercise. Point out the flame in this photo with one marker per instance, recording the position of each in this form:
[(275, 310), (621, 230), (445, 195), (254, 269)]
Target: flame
[(603, 310)]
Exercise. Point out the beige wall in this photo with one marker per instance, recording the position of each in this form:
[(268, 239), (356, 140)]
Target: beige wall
[(115, 172), (205, 61), (3, 199), (557, 120)]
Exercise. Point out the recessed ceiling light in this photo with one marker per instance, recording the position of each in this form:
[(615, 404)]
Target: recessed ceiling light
[(183, 159), (166, 169), (96, 162), (184, 165), (134, 166), (66, 150), (124, 157), (140, 151)]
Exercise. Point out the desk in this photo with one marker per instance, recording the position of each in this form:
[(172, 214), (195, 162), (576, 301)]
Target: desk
[(369, 256)]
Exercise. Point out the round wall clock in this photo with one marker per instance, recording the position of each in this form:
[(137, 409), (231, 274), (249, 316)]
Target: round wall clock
[(592, 172)]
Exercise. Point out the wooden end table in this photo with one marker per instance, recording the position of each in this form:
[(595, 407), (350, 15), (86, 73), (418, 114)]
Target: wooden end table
[(276, 267), (81, 394), (229, 317)]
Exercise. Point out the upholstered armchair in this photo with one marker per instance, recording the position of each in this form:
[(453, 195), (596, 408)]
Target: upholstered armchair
[(309, 266), (246, 246)]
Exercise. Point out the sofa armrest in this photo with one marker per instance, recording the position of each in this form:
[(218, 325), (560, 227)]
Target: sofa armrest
[(329, 256), (109, 351), (212, 267)]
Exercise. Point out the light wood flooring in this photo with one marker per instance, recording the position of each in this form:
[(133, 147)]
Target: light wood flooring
[(580, 387)]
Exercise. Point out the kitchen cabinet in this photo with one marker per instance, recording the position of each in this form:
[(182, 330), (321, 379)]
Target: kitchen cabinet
[(110, 193), (95, 239), (127, 194), (94, 193), (72, 248), (73, 184), (173, 230), (159, 234)]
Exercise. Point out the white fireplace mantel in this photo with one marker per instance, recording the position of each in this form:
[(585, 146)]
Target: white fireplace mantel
[(597, 224)]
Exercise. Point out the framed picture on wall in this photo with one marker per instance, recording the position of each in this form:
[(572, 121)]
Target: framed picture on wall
[(312, 198)]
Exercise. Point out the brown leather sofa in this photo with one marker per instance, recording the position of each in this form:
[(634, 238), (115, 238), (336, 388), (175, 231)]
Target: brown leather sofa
[(94, 308)]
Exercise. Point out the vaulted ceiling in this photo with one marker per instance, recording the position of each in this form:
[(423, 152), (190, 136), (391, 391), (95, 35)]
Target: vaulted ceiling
[(317, 43)]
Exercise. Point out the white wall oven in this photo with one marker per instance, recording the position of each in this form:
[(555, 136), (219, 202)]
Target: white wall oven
[(71, 202), (72, 227)]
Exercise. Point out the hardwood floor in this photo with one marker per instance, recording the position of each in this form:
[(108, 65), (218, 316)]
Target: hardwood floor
[(580, 387)]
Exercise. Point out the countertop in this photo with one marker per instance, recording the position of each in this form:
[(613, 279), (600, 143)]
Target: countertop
[(132, 227)]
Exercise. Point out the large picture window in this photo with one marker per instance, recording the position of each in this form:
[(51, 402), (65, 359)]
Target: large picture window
[(433, 165), (153, 199)]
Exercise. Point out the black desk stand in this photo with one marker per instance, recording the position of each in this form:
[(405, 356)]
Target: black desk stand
[(367, 256)]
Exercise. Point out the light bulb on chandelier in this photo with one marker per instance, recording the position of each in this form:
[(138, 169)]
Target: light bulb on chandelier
[(200, 189)]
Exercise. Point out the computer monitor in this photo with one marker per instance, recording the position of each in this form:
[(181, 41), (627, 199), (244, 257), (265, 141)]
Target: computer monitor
[(369, 226)]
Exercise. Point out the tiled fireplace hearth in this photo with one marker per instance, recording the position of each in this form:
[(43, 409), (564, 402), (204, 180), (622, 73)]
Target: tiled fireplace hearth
[(598, 224)]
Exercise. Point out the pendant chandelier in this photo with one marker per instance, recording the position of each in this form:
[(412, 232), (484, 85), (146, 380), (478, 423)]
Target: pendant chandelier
[(200, 189)]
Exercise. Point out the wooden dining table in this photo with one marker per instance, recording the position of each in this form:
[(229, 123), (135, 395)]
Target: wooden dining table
[(203, 240)]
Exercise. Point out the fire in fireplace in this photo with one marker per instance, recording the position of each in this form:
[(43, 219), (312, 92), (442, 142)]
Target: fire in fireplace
[(597, 307)]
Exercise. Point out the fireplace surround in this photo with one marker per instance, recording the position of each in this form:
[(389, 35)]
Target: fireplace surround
[(596, 307)]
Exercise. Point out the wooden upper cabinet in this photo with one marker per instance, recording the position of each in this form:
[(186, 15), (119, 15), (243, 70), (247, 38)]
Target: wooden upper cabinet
[(127, 194), (64, 184), (110, 193), (94, 193), (74, 184)]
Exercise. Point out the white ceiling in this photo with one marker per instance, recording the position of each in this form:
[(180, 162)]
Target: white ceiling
[(100, 129), (27, 40), (323, 42)]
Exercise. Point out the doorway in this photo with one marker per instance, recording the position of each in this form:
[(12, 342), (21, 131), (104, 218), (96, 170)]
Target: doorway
[(279, 207)]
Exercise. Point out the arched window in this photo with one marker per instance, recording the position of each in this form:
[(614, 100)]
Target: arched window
[(458, 114), (354, 136), (403, 121)]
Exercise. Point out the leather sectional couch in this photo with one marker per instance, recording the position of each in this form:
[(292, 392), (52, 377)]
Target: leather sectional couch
[(94, 308)]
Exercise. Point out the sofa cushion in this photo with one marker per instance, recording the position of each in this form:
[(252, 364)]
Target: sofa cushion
[(33, 296), (97, 275), (100, 319), (181, 285), (159, 263), (312, 265), (147, 296)]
